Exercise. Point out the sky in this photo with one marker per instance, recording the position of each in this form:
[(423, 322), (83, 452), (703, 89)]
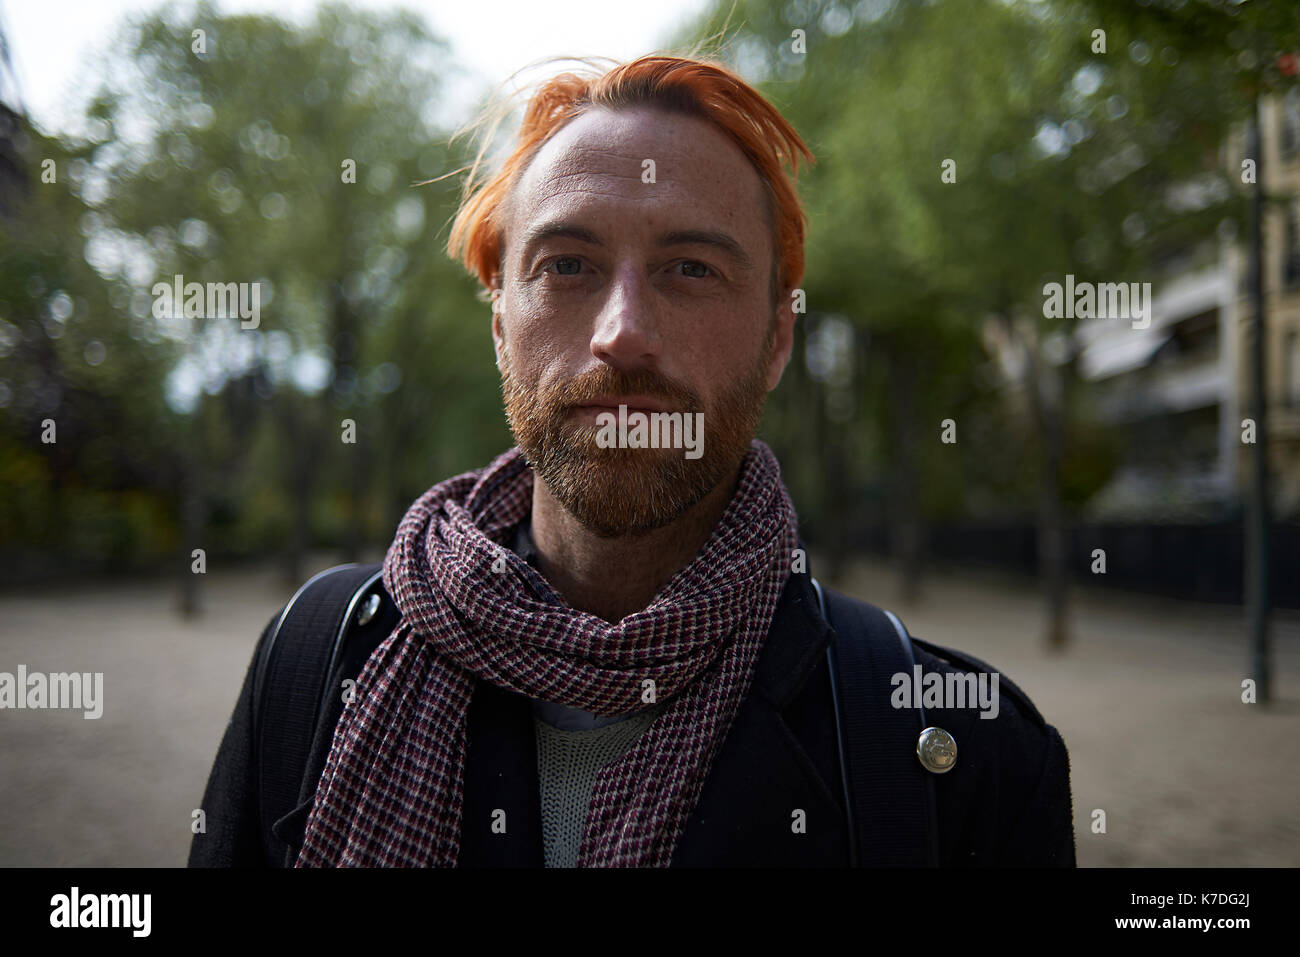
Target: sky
[(53, 42)]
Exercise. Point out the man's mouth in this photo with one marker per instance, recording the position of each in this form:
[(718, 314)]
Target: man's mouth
[(633, 403)]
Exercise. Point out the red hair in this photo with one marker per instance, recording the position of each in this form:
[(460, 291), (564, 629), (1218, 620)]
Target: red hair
[(695, 87)]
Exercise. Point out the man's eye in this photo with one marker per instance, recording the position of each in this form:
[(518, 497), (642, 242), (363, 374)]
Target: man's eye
[(567, 266), (695, 270)]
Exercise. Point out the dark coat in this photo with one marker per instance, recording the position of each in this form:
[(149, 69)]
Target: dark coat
[(1005, 803)]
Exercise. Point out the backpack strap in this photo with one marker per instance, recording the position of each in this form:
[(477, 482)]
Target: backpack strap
[(889, 797), (290, 693)]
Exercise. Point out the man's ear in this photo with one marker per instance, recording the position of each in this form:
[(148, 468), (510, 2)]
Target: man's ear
[(498, 337), (783, 343)]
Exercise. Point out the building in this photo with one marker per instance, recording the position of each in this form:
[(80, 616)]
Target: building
[(1179, 389)]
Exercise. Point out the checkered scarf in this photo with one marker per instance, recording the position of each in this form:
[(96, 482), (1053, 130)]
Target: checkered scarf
[(390, 794)]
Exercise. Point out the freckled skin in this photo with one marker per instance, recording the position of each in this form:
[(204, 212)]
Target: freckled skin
[(692, 312)]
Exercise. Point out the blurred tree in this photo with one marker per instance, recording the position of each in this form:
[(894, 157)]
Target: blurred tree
[(252, 152), (240, 149), (73, 379)]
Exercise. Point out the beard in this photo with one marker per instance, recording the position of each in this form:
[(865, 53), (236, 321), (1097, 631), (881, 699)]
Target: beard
[(617, 492)]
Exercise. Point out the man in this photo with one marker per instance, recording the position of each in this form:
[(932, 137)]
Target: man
[(609, 650)]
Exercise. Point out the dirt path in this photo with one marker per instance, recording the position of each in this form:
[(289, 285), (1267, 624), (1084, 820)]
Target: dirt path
[(119, 790)]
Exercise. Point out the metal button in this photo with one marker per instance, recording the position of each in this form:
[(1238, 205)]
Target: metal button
[(369, 608), (937, 750)]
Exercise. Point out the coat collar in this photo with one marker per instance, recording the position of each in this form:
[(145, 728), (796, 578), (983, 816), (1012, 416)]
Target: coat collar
[(795, 642), (777, 763)]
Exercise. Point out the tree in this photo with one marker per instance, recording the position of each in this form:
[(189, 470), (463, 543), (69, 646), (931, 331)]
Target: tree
[(968, 155), (244, 150)]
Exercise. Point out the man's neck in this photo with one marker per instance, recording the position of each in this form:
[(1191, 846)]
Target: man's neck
[(612, 578)]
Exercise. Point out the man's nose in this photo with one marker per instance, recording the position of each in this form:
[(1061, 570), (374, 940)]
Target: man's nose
[(626, 334)]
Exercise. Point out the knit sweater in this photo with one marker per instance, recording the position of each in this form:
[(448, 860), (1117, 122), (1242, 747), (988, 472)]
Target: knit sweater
[(567, 765)]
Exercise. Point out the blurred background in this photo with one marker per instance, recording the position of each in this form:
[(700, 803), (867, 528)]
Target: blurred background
[(1109, 513)]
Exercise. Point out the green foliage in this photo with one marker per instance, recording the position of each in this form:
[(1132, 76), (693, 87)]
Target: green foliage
[(1065, 160), (231, 162)]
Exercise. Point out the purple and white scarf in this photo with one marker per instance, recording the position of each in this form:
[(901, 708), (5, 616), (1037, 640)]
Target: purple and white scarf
[(391, 791)]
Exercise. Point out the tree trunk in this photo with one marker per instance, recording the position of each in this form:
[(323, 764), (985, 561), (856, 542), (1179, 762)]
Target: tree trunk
[(298, 431), (1257, 583), (354, 533), (192, 522), (1048, 413), (906, 531)]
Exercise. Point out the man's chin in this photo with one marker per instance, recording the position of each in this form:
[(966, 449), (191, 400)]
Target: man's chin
[(626, 493)]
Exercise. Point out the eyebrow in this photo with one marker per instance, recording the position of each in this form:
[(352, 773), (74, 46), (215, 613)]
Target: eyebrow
[(707, 237), (678, 237)]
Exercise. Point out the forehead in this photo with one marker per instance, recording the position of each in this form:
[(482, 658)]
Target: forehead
[(596, 165)]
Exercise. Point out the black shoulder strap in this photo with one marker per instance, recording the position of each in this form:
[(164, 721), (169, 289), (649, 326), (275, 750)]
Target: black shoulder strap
[(889, 796), (289, 693)]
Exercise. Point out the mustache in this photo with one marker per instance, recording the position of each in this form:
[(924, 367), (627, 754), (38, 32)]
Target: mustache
[(605, 380)]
